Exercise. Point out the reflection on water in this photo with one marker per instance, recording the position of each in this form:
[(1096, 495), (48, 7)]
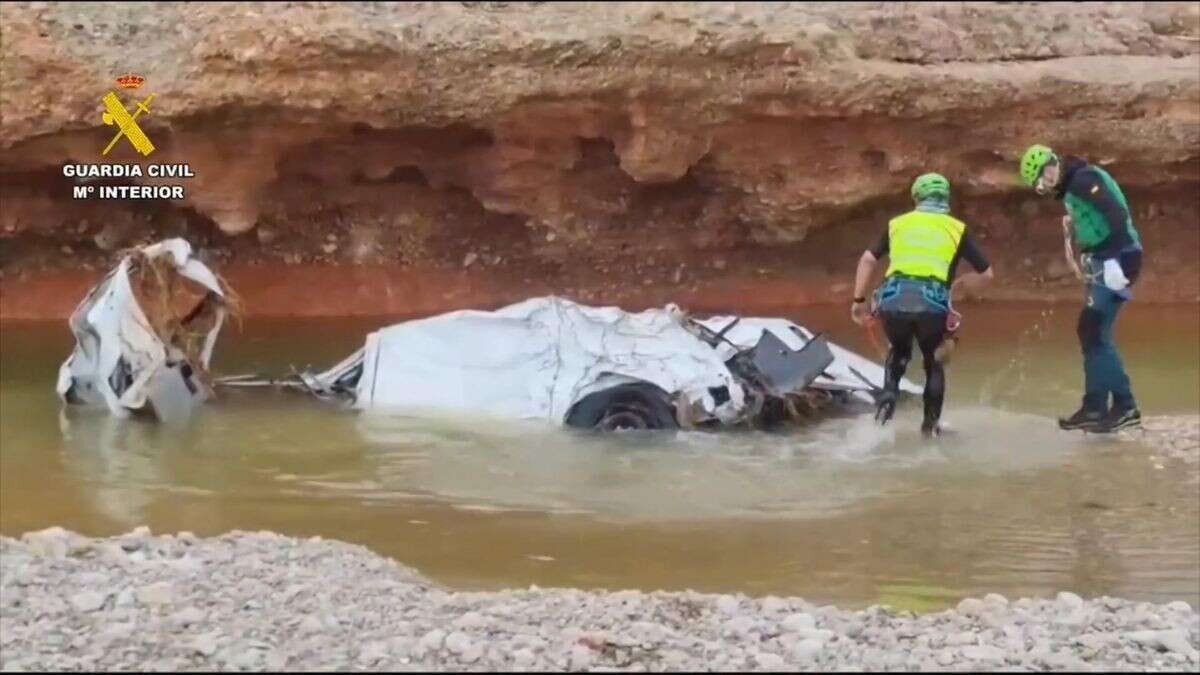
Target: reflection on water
[(843, 511), (521, 466)]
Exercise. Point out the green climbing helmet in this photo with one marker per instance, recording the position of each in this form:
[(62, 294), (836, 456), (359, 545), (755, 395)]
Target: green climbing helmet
[(1035, 158), (929, 185)]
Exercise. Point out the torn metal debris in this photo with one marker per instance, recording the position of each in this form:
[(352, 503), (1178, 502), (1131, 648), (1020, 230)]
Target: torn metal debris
[(145, 335)]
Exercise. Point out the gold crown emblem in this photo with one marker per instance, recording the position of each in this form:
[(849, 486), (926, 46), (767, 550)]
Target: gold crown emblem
[(130, 81)]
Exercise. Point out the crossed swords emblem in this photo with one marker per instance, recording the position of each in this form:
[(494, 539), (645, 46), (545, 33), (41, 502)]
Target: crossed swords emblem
[(115, 113)]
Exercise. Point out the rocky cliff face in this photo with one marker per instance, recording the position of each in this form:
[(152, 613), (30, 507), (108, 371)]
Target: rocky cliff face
[(606, 151)]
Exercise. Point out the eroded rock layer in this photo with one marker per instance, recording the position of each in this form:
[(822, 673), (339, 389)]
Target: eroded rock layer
[(606, 151)]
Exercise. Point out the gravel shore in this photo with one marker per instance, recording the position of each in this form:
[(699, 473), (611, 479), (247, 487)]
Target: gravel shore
[(264, 601)]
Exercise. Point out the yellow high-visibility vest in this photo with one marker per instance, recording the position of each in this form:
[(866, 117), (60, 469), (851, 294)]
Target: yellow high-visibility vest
[(922, 244)]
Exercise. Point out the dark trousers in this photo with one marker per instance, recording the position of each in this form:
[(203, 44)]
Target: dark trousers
[(1103, 372), (928, 329)]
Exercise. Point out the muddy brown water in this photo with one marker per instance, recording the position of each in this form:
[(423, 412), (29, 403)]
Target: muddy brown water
[(842, 512)]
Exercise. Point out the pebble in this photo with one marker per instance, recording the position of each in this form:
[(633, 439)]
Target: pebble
[(470, 621), (1070, 600), (205, 645), (727, 604), (160, 593), (798, 622), (125, 598), (971, 607), (819, 635), (373, 652), (1165, 640), (580, 658), (276, 660), (186, 565), (432, 641), (773, 605), (243, 659), (983, 653), (472, 653), (1068, 662), (768, 661), (457, 643), (807, 650), (87, 601), (524, 658), (652, 633), (112, 553), (1074, 620), (187, 617), (309, 625), (961, 639), (740, 626), (51, 542), (996, 599), (674, 659), (1095, 641)]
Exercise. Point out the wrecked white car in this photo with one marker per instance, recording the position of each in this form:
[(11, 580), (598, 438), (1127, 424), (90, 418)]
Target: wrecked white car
[(604, 368), (145, 335)]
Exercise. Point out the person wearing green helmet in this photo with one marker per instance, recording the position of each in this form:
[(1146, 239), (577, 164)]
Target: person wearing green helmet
[(913, 302), (1100, 222)]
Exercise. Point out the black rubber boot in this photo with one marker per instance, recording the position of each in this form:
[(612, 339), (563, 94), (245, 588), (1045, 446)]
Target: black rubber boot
[(1088, 420), (885, 408), (930, 428)]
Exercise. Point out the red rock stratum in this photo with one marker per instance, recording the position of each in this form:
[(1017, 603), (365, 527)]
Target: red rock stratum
[(610, 152)]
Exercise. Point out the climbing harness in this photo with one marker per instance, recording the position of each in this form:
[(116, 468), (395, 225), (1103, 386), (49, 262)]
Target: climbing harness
[(900, 293), (905, 294)]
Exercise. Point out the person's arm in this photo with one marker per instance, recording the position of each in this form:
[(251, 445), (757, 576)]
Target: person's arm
[(862, 275), (1068, 251), (859, 311), (862, 278), (972, 281)]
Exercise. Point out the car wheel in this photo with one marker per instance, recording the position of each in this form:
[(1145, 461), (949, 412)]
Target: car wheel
[(636, 406)]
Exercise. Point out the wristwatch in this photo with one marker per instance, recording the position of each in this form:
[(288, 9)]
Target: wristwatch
[(859, 299)]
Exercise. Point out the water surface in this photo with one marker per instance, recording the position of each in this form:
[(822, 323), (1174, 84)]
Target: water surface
[(843, 512)]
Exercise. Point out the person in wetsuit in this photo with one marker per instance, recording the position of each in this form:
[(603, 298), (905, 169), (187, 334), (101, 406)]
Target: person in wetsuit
[(925, 246), (1100, 222)]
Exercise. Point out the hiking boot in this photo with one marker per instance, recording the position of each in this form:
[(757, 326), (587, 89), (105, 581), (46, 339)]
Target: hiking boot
[(1083, 418), (1120, 418)]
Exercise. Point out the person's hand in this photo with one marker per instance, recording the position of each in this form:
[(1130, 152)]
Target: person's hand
[(1068, 253), (859, 313)]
